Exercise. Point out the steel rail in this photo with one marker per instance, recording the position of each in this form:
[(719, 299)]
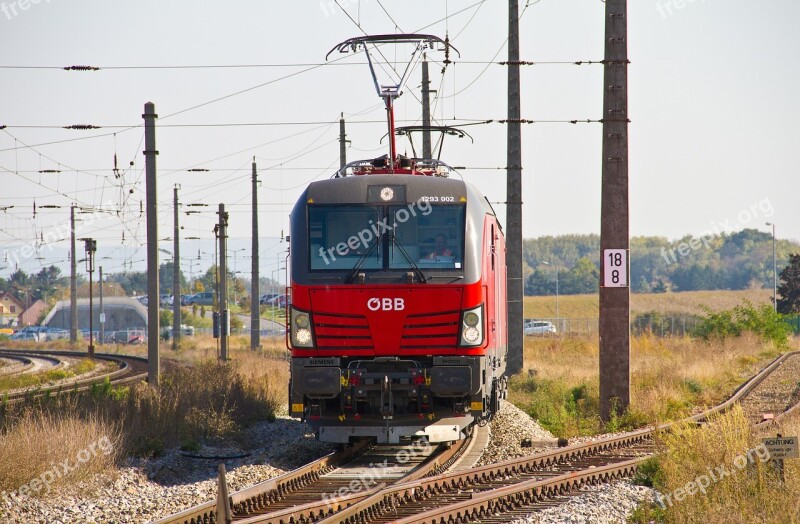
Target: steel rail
[(261, 494), (391, 497), (779, 418), (247, 503), (22, 365), (314, 511), (125, 374)]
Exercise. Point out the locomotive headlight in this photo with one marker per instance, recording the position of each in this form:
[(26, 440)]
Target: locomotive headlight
[(300, 328), (303, 337), (387, 193), (471, 335), (472, 327), (301, 320)]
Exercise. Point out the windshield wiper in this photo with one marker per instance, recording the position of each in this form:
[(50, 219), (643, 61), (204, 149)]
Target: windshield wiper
[(414, 266), (360, 262)]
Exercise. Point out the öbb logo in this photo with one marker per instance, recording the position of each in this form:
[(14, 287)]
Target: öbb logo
[(386, 304)]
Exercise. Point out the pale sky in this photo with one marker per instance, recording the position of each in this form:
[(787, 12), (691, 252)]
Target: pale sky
[(713, 104)]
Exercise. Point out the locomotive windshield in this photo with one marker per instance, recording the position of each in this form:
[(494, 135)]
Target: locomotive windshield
[(386, 237), (434, 240)]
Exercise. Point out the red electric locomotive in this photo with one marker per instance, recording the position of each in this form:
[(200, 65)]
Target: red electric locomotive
[(397, 320)]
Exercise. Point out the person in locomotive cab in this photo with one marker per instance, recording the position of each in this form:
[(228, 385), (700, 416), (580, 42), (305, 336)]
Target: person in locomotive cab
[(440, 248)]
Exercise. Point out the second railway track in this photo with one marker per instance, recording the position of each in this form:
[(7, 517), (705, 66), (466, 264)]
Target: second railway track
[(127, 369)]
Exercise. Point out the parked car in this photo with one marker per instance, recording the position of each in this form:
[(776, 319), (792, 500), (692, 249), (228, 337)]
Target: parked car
[(184, 299), (54, 334), (278, 301), (24, 336), (267, 297), (186, 331), (201, 299), (538, 327)]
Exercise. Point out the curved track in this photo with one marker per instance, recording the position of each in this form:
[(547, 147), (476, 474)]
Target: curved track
[(514, 488), (18, 364), (127, 369)]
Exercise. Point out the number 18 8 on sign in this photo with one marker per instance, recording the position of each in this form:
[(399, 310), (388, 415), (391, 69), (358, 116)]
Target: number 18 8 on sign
[(615, 268)]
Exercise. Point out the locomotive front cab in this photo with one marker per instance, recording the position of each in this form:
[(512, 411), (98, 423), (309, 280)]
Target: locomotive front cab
[(394, 325)]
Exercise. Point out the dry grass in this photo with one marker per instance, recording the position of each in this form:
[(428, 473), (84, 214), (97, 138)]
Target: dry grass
[(33, 452), (692, 457), (670, 377), (684, 303), (24, 380), (198, 399)]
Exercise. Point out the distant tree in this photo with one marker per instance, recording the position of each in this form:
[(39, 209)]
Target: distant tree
[(165, 277), (789, 288), (540, 282), (133, 283), (662, 286), (583, 277), (209, 279)]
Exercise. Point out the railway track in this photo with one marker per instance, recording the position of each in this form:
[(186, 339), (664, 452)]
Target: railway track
[(18, 365), (493, 493), (330, 483), (128, 369), (515, 488)]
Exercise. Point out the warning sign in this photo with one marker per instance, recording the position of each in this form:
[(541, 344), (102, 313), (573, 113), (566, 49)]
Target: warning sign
[(781, 447)]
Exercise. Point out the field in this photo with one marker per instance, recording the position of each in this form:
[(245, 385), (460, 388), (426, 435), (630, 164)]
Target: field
[(670, 377), (685, 303)]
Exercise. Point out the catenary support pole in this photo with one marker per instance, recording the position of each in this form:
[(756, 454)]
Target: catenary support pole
[(102, 335), (255, 313), (514, 197), (176, 273), (426, 110), (73, 281), (614, 223), (342, 143), (224, 321), (153, 296)]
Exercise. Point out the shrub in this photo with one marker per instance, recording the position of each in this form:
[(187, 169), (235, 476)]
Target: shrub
[(762, 321)]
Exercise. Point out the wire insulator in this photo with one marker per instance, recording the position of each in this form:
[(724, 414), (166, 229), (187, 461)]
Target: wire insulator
[(81, 127), (81, 68)]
